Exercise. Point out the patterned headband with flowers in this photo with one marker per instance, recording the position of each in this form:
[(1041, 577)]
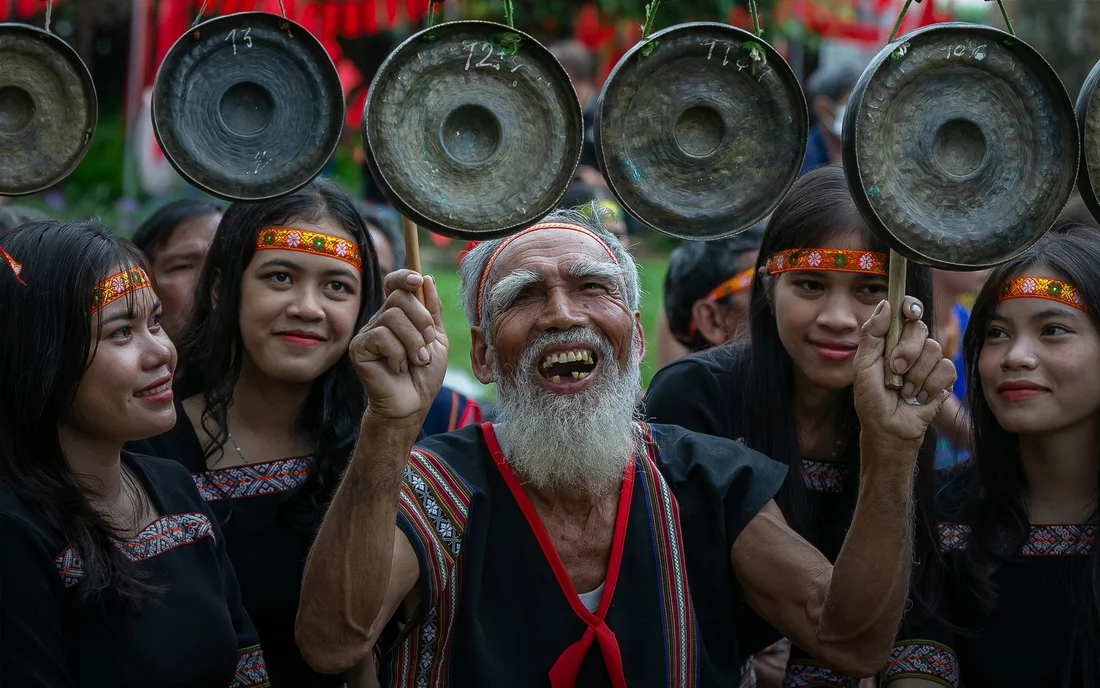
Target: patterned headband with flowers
[(15, 267), (1042, 288), (289, 239), (734, 285), (828, 260), (118, 285)]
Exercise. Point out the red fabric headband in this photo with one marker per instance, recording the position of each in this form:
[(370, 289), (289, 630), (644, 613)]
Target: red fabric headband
[(504, 244)]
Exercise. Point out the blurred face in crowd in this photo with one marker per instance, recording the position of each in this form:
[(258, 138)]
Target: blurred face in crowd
[(382, 245), (819, 316), (720, 321), (176, 267)]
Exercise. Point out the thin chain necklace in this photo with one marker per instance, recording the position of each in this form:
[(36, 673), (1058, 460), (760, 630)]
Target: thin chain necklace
[(238, 448)]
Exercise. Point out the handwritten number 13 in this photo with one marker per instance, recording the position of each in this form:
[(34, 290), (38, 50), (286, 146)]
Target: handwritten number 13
[(245, 37)]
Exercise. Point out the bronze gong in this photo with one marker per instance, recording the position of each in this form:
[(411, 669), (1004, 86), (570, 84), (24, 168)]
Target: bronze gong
[(248, 106), (960, 146), (48, 109), (701, 130), (1088, 122), (472, 129)]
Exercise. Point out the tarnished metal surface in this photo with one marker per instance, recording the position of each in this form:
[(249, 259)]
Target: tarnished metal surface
[(248, 106), (48, 109), (1088, 122), (472, 129), (701, 130), (960, 145)]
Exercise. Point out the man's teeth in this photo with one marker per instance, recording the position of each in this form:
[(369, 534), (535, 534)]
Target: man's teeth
[(582, 355), (556, 379), (579, 375)]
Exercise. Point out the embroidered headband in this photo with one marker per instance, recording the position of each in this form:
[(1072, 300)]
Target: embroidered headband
[(828, 260), (14, 266), (504, 244), (118, 285), (1042, 288), (285, 239), (734, 285)]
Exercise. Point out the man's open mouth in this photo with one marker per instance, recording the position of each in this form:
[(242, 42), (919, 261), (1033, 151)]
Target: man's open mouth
[(573, 363)]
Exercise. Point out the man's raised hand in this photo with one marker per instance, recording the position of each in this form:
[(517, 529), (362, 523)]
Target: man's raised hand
[(401, 354)]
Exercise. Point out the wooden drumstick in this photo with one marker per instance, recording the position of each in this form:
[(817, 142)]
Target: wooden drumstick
[(895, 293), (412, 251)]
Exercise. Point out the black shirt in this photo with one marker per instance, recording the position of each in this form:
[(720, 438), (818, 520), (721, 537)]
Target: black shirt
[(268, 554), (195, 634)]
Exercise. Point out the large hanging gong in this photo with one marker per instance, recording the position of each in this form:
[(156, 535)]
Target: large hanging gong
[(1088, 122), (960, 145), (48, 109), (248, 106), (701, 130), (472, 129)]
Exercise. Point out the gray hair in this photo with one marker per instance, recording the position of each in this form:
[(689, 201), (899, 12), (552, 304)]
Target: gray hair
[(475, 261)]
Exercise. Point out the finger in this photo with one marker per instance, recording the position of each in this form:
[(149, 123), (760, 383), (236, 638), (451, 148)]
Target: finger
[(872, 336), (411, 338), (912, 308), (921, 368), (938, 381), (433, 303), (404, 280), (914, 333), (381, 343), (415, 311)]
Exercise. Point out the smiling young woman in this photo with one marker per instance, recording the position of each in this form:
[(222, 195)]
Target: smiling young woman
[(1018, 521), (270, 401), (113, 568), (787, 391)]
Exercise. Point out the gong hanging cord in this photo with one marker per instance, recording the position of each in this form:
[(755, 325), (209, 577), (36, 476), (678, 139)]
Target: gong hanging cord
[(49, 14), (905, 10)]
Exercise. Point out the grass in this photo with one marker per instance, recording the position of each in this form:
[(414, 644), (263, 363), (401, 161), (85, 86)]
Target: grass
[(458, 332)]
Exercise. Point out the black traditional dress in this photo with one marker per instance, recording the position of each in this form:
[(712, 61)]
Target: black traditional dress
[(1027, 639), (269, 555), (698, 393), (499, 608), (195, 634)]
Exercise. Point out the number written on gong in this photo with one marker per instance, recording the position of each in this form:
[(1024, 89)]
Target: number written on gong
[(960, 51), (711, 45), (481, 55), (245, 37)]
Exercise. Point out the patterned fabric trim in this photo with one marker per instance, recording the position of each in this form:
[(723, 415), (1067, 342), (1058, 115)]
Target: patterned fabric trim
[(806, 673), (1042, 541), (679, 615), (1042, 288), (290, 239), (162, 535), (827, 260), (118, 285), (434, 505), (922, 659), (748, 675), (251, 669), (827, 476), (734, 285), (254, 480)]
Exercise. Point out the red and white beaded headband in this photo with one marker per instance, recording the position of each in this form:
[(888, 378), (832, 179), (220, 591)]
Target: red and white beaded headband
[(290, 239), (484, 276), (1042, 288), (827, 260)]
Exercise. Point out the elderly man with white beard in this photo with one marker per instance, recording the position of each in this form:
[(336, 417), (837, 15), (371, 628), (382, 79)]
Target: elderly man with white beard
[(570, 545)]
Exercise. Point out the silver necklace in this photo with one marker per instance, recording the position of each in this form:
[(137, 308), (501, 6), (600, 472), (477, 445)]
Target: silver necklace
[(237, 447)]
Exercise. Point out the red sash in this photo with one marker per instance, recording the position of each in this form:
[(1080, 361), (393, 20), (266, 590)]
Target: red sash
[(564, 672)]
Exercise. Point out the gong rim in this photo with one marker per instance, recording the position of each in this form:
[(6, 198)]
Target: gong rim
[(712, 147), (957, 246), (204, 155), (398, 173), (29, 120), (1088, 124)]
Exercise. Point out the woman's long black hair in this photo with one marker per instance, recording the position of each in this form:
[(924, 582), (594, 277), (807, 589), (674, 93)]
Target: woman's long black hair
[(819, 208), (212, 351), (996, 503), (45, 350)]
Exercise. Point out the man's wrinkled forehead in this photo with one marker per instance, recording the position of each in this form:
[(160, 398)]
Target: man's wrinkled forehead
[(551, 245)]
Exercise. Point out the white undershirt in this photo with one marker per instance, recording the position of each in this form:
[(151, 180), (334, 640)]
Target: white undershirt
[(591, 600)]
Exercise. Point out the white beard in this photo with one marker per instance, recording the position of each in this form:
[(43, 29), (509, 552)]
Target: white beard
[(578, 442)]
